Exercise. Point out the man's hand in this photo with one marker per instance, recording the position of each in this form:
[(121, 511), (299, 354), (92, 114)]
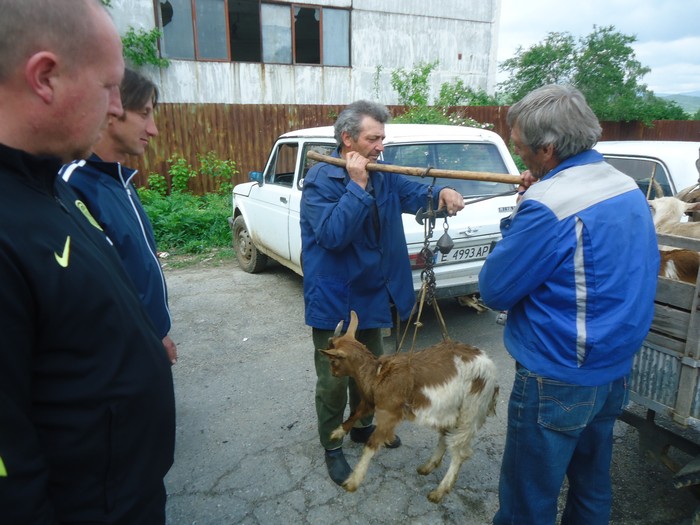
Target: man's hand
[(356, 166), (527, 179), (170, 349), (451, 200)]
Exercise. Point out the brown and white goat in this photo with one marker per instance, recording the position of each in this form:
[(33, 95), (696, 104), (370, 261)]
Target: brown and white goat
[(449, 386), (668, 212), (680, 265)]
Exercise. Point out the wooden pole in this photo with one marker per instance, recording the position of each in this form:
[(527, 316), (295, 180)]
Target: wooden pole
[(406, 170)]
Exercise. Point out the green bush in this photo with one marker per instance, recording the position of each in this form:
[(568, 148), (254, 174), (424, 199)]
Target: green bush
[(187, 223)]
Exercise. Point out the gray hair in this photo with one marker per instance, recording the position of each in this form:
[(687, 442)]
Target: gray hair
[(350, 119), (30, 26), (557, 115)]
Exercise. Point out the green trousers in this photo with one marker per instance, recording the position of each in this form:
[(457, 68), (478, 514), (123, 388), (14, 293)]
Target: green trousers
[(332, 392)]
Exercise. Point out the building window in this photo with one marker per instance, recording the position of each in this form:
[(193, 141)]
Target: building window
[(254, 31)]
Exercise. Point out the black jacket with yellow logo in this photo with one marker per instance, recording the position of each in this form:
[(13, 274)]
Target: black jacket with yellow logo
[(87, 415)]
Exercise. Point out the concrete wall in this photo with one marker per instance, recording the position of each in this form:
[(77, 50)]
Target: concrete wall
[(460, 34)]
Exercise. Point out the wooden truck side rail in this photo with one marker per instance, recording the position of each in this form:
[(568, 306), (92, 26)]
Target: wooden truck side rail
[(665, 375)]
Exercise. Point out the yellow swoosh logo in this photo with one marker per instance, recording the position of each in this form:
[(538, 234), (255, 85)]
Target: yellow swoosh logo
[(63, 258), (3, 470), (81, 206)]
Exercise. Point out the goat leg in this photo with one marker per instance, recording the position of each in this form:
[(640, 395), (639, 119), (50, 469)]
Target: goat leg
[(449, 480), (358, 474), (362, 409), (436, 458), (459, 444)]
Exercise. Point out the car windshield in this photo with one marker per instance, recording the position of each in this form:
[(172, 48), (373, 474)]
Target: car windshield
[(461, 156)]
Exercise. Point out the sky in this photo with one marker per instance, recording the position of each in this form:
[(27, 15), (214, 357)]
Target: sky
[(667, 32)]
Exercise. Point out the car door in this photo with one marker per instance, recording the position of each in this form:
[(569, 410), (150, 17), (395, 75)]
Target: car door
[(270, 210)]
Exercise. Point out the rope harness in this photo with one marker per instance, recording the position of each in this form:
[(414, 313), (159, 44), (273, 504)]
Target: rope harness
[(444, 245), (426, 294)]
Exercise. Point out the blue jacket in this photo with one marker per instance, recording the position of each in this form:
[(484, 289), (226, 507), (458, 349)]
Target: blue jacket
[(351, 261), (576, 270), (106, 189)]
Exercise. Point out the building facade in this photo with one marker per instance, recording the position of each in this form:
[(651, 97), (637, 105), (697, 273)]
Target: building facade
[(312, 52)]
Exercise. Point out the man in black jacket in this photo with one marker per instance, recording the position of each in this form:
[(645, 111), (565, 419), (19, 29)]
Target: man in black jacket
[(87, 410)]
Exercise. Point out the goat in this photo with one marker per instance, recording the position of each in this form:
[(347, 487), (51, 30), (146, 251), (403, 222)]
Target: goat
[(450, 386), (680, 265), (667, 213)]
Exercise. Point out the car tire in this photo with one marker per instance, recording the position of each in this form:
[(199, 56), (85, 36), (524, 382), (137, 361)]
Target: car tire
[(249, 258)]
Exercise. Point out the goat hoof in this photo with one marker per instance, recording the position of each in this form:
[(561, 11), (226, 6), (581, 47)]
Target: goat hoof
[(350, 486), (338, 433), (424, 470), (435, 496)]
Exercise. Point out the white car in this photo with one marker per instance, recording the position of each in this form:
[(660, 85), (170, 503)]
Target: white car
[(265, 221), (674, 164)]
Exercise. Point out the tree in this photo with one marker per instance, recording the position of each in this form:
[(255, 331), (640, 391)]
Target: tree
[(413, 89), (602, 65), (550, 62)]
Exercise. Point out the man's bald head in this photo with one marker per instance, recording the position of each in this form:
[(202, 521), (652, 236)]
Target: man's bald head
[(28, 26)]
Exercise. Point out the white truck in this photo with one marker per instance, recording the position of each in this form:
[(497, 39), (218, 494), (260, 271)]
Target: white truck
[(265, 220)]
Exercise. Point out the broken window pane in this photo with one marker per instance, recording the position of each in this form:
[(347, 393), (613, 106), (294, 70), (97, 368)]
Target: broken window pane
[(244, 30), (176, 23), (307, 35)]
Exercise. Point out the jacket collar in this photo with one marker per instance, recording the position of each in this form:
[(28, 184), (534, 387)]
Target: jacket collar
[(580, 159), (113, 169), (38, 171)]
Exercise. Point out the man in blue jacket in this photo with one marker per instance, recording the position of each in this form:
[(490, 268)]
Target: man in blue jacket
[(104, 185), (355, 258), (576, 270)]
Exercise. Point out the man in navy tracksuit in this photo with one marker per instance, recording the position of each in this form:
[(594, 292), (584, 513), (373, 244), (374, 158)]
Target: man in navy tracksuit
[(104, 185), (576, 270), (87, 409)]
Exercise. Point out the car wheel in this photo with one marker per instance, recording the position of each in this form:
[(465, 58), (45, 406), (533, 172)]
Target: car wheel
[(249, 258)]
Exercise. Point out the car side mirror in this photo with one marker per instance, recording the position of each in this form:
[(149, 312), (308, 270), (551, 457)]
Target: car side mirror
[(255, 176)]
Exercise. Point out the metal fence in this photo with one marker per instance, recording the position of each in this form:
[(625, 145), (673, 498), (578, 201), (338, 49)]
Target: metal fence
[(245, 133)]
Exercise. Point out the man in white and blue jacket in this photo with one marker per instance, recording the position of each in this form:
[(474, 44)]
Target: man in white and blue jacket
[(104, 185), (576, 270), (355, 258)]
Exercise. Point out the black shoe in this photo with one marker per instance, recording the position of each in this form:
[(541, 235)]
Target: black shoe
[(338, 468), (361, 435)]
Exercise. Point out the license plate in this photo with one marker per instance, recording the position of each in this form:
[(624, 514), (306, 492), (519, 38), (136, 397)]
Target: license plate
[(463, 254)]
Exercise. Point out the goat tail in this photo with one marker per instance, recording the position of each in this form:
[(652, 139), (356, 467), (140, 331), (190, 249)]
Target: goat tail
[(494, 401)]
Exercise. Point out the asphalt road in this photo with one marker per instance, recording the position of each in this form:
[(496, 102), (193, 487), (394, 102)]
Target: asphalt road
[(247, 450)]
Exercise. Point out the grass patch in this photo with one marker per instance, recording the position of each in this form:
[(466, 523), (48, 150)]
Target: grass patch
[(187, 224)]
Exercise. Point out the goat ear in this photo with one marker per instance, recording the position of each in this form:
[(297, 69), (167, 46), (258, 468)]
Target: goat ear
[(333, 352), (352, 327)]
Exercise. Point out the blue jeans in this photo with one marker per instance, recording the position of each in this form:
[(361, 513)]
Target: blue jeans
[(557, 429)]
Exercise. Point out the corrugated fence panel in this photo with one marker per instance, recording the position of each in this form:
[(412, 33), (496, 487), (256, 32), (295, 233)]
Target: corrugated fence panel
[(245, 133)]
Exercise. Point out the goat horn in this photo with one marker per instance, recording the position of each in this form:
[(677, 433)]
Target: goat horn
[(338, 329), (352, 327)]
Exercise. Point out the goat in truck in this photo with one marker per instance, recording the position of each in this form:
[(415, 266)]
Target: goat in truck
[(681, 264), (449, 386)]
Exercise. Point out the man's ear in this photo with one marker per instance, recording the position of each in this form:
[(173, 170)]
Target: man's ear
[(548, 150), (346, 138), (39, 73)]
